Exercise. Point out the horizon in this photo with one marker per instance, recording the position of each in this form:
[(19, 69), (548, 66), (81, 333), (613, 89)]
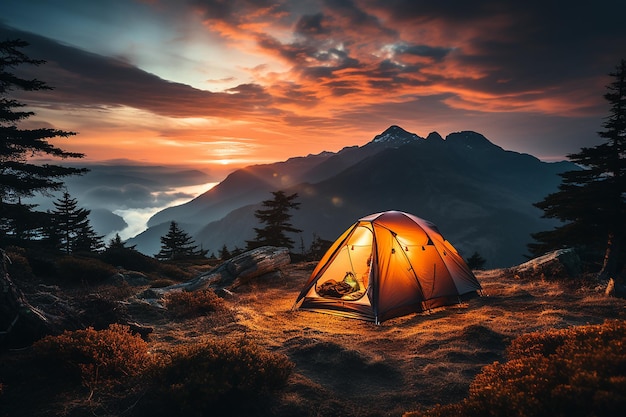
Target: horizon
[(244, 83)]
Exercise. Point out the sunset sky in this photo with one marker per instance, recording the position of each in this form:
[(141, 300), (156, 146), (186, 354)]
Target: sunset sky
[(218, 83)]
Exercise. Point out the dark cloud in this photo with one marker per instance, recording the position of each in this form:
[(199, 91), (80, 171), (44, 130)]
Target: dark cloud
[(311, 25), (236, 12), (437, 53), (85, 79), (522, 45)]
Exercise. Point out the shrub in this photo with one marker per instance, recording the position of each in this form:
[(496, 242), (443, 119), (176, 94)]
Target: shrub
[(173, 271), (83, 270), (130, 259), (18, 266), (579, 371), (187, 304), (97, 359), (216, 378), (162, 282)]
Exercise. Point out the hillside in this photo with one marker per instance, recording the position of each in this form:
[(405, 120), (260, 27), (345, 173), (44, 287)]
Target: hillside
[(343, 366), (479, 195)]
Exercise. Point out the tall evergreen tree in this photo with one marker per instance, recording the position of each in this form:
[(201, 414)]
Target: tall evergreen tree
[(19, 175), (592, 201), (177, 244), (72, 228), (276, 217)]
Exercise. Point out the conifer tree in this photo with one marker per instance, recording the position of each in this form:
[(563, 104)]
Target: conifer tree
[(225, 253), (72, 228), (19, 175), (476, 261), (276, 217), (116, 242), (177, 244), (592, 201)]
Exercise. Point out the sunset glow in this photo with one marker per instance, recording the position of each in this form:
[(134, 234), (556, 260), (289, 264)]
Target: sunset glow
[(211, 83)]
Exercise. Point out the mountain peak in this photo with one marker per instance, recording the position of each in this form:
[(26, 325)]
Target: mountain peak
[(470, 140), (395, 136), (434, 136)]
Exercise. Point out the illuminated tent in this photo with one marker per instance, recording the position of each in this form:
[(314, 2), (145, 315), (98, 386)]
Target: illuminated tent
[(413, 268)]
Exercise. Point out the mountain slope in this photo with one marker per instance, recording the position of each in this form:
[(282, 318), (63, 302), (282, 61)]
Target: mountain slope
[(479, 194)]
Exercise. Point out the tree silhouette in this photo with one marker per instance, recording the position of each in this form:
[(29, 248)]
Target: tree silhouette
[(592, 201), (225, 253), (177, 245), (116, 243), (318, 247), (276, 218), (19, 176), (71, 227), (476, 261)]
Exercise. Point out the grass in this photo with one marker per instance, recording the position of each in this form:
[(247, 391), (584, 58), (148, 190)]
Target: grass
[(349, 367)]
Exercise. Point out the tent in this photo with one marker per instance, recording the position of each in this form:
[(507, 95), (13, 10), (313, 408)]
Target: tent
[(387, 265)]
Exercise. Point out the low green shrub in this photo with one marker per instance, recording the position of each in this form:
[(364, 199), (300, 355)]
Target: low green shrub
[(97, 359), (217, 377), (186, 304), (574, 372)]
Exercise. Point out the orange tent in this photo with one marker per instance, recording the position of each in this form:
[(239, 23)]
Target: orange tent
[(387, 265)]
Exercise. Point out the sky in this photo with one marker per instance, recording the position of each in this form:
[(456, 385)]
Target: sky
[(219, 84)]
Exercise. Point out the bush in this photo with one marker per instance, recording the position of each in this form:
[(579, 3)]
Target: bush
[(83, 270), (215, 378), (97, 359), (18, 266), (187, 304), (579, 371), (173, 271), (129, 259)]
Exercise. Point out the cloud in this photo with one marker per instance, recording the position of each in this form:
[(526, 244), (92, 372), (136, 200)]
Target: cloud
[(315, 65)]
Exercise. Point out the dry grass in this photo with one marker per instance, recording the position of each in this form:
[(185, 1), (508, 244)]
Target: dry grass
[(346, 367), (356, 368)]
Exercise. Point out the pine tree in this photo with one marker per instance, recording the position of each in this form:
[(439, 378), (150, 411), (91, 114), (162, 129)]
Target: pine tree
[(276, 218), (592, 201), (177, 244), (72, 228), (116, 242), (19, 176), (318, 247), (225, 253), (476, 261)]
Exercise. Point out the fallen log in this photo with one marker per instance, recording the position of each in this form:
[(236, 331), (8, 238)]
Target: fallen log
[(231, 273), (562, 263)]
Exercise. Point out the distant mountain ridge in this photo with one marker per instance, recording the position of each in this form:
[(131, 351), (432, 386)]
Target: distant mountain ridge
[(479, 194)]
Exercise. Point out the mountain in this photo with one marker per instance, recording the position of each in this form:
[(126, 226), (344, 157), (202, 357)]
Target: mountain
[(478, 194)]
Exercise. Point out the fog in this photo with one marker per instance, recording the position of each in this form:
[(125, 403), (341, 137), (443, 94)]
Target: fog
[(122, 198)]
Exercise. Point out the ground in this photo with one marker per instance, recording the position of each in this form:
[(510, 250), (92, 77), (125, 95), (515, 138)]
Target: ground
[(343, 367), (347, 367)]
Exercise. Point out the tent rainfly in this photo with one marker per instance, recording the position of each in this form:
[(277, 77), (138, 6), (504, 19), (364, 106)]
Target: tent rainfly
[(387, 265)]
